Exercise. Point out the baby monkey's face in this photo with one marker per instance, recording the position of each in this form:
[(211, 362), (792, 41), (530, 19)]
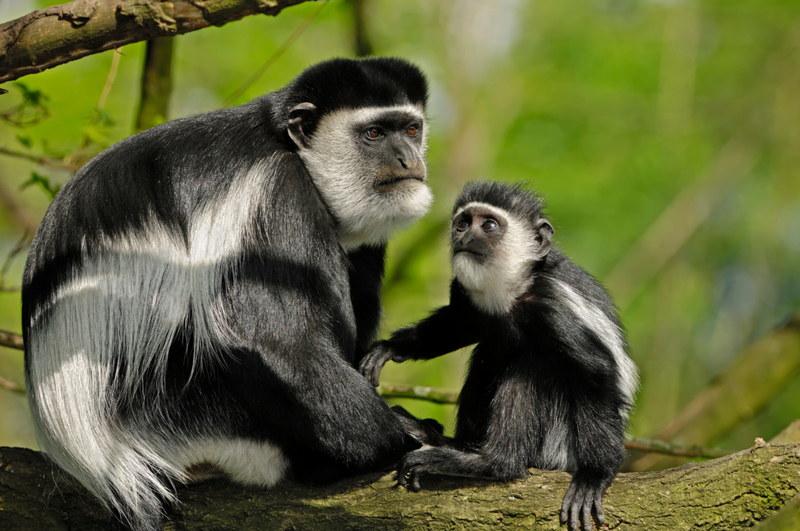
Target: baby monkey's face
[(477, 232)]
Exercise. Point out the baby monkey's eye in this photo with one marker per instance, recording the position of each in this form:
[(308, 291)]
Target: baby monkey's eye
[(489, 225), (462, 225)]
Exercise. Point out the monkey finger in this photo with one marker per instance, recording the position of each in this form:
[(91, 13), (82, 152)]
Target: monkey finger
[(374, 377), (574, 511), (371, 370), (598, 507), (415, 475), (365, 366), (567, 503), (586, 514)]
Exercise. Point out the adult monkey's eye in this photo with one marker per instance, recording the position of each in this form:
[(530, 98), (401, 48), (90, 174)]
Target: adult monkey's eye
[(489, 225), (372, 134), (412, 131)]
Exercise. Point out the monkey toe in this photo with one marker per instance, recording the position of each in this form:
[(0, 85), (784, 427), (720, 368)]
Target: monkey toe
[(576, 509)]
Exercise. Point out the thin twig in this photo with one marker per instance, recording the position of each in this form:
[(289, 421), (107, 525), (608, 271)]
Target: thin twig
[(431, 394), (438, 395), (11, 386), (38, 159), (18, 248), (11, 340), (678, 450), (101, 103), (274, 57), (112, 76)]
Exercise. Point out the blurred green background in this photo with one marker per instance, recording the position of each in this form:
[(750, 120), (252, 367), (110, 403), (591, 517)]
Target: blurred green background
[(663, 135)]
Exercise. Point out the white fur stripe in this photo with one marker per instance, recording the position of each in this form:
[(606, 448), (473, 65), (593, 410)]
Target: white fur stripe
[(246, 461), (609, 333), (129, 301)]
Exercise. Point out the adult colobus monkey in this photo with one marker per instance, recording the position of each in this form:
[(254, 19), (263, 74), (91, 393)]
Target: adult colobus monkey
[(549, 384), (200, 292)]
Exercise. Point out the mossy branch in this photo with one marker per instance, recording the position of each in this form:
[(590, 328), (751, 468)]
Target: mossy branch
[(733, 492), (59, 34)]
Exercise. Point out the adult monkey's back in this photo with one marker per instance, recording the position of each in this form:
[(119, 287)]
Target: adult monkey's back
[(200, 292)]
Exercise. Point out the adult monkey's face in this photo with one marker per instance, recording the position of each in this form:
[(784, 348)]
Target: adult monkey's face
[(369, 166)]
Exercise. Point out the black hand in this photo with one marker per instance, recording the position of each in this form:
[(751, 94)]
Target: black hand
[(425, 431), (374, 360), (412, 467)]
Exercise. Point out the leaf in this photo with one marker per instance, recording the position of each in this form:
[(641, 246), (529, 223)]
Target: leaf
[(43, 182), (35, 98), (25, 140)]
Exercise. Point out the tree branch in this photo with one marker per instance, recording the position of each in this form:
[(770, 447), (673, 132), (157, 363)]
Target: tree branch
[(437, 395), (59, 34), (11, 340), (156, 83), (732, 492), (50, 162), (8, 385)]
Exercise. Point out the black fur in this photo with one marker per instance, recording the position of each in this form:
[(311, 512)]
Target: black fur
[(299, 311), (537, 369)]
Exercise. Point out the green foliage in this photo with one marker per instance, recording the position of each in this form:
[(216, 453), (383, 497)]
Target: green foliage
[(42, 182), (31, 110), (98, 129), (25, 140)]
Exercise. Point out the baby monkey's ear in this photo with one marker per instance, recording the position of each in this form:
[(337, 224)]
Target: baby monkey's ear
[(543, 235)]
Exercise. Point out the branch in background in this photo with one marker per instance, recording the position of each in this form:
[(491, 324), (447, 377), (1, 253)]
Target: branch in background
[(156, 83), (59, 34), (18, 248), (11, 340), (678, 222), (742, 389), (11, 386), (678, 450), (363, 44), (9, 201), (787, 519), (431, 394), (274, 57), (49, 162), (790, 433), (445, 396)]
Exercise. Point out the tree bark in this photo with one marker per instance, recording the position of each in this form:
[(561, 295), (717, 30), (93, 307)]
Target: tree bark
[(732, 492), (59, 34)]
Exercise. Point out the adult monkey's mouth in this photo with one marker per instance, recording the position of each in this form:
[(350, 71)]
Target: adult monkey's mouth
[(394, 179)]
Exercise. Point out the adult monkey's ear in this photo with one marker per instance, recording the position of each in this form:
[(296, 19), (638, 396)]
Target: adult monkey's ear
[(297, 116)]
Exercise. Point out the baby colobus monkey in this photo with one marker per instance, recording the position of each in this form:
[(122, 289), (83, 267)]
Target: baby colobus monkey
[(550, 383), (202, 291)]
